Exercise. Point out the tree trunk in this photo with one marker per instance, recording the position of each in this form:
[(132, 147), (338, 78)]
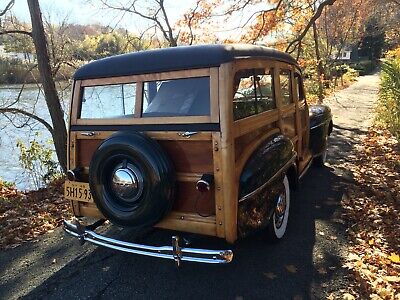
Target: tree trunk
[(320, 68), (49, 87)]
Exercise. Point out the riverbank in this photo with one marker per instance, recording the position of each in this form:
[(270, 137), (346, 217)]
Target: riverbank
[(19, 72), (24, 216), (20, 128)]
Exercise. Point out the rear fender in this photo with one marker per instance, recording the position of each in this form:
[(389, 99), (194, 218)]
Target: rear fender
[(320, 128), (265, 162), (261, 182)]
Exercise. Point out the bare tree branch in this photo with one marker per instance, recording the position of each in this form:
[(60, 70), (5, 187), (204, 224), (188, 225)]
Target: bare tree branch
[(166, 30), (313, 19), (7, 8), (28, 114)]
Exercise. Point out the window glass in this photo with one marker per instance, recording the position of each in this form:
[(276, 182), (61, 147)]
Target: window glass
[(177, 97), (284, 77), (108, 101), (254, 93), (299, 86)]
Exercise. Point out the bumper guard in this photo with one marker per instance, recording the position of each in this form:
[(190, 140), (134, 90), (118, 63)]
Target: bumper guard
[(174, 252)]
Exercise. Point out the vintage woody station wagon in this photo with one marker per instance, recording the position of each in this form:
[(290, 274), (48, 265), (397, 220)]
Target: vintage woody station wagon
[(199, 139)]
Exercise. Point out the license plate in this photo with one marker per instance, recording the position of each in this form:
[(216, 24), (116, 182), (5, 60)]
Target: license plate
[(78, 191)]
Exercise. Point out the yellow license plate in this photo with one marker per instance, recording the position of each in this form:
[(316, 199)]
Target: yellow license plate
[(78, 191)]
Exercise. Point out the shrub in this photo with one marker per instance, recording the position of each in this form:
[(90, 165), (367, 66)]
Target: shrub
[(365, 67), (15, 71), (388, 109), (37, 159)]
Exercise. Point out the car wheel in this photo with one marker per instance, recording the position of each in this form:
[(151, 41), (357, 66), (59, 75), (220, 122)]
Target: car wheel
[(320, 160), (279, 220)]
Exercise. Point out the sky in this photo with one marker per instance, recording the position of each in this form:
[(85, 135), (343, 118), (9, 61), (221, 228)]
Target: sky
[(88, 12)]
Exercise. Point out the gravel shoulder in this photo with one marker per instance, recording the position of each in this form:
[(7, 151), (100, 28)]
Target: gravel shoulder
[(307, 264)]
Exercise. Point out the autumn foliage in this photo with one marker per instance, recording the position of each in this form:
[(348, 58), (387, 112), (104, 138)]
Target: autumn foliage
[(25, 216), (372, 209)]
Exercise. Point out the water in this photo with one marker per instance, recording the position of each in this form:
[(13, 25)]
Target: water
[(14, 128)]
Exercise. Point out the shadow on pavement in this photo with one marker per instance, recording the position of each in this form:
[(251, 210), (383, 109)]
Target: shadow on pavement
[(315, 208)]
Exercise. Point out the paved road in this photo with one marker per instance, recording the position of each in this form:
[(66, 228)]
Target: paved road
[(305, 265)]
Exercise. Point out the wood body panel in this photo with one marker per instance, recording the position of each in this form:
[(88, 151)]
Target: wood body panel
[(191, 159)]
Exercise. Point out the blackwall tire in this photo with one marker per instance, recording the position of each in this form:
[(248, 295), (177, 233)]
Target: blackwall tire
[(320, 160), (132, 180), (279, 220)]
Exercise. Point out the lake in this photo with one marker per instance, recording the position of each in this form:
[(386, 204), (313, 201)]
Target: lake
[(14, 128)]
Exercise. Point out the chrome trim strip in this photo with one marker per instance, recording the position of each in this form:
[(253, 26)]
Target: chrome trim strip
[(260, 188), (169, 252), (319, 125)]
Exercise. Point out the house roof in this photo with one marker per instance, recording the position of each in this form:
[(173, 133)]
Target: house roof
[(174, 59)]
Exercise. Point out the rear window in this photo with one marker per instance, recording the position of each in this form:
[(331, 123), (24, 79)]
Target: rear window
[(177, 97), (108, 101)]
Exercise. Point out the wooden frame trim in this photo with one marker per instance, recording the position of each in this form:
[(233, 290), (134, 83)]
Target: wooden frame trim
[(138, 100), (299, 129), (246, 125), (229, 187), (157, 135), (147, 77), (218, 181), (212, 73), (214, 99), (153, 120), (189, 222), (75, 103), (278, 97)]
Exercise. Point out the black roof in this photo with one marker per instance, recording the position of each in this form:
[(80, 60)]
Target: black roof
[(175, 58)]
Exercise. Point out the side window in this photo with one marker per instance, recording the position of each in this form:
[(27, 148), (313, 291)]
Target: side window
[(108, 101), (299, 87), (286, 90), (254, 93)]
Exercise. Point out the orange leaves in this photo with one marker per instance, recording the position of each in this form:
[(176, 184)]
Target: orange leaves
[(25, 216), (372, 208)]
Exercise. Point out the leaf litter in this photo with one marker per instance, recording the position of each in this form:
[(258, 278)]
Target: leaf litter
[(372, 210), (24, 216)]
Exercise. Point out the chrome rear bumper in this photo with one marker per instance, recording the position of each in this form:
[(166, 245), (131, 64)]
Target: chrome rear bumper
[(174, 252)]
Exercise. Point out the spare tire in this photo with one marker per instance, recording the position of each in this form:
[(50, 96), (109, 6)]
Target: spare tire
[(132, 180)]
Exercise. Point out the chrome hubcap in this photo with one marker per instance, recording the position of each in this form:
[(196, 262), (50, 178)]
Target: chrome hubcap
[(280, 210), (127, 182)]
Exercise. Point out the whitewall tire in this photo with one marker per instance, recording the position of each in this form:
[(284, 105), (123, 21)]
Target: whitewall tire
[(279, 220)]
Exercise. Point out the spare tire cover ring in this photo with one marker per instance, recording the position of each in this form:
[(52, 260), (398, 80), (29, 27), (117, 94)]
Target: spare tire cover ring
[(132, 180)]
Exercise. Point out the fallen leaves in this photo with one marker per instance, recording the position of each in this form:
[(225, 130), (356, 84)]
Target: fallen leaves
[(394, 258), (372, 209), (25, 216), (347, 296)]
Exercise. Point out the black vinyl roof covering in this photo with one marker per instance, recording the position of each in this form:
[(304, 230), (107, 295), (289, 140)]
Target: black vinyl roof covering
[(174, 59)]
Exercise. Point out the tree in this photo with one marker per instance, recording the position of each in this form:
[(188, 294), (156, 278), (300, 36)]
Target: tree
[(154, 11), (59, 132), (57, 128), (373, 41)]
